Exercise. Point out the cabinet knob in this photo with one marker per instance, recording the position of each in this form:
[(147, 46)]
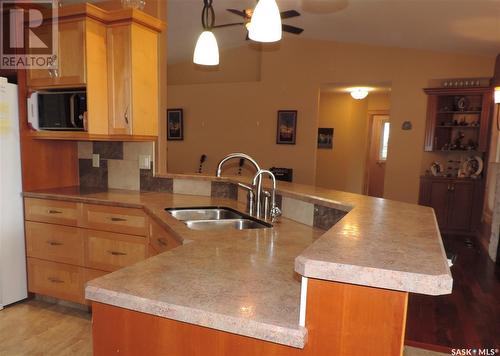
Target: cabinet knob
[(117, 219), (54, 243), (162, 241), (54, 212)]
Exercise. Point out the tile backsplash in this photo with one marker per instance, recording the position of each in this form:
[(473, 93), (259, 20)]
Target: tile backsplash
[(119, 164)]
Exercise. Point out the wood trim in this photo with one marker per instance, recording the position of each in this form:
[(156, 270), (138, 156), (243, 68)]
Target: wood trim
[(84, 136), (341, 319), (430, 123), (110, 15), (460, 91)]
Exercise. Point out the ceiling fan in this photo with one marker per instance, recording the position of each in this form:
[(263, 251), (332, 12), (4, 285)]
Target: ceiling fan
[(247, 17)]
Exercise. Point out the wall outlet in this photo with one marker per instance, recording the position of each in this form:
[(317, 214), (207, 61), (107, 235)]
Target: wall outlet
[(96, 160), (144, 161)]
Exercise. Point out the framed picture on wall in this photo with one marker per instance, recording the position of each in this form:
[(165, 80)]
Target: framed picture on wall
[(286, 130), (325, 137), (175, 125)]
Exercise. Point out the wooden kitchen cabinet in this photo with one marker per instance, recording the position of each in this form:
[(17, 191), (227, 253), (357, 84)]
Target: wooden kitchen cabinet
[(113, 55), (69, 243), (456, 202), (133, 78), (71, 59)]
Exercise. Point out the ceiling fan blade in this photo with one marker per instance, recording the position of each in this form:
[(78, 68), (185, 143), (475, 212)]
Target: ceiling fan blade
[(292, 29), (290, 13), (237, 12), (229, 24)]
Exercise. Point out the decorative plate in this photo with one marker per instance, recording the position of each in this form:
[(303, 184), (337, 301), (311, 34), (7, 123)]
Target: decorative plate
[(436, 169), (472, 166)]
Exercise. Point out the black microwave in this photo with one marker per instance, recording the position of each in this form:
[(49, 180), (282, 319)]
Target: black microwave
[(63, 110)]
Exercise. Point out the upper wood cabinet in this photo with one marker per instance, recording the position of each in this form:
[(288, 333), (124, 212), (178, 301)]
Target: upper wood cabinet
[(71, 59), (114, 56), (458, 119), (133, 76)]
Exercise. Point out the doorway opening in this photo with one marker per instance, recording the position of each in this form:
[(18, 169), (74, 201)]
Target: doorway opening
[(345, 129), (378, 143)]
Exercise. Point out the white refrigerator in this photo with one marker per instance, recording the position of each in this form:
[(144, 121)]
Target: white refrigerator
[(12, 251)]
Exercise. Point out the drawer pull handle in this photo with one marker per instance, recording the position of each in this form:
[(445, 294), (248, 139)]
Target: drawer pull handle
[(54, 212), (118, 219), (54, 243), (116, 253), (55, 280), (162, 241)]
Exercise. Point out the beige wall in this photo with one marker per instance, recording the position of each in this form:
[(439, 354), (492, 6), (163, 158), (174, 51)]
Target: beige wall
[(343, 167), (223, 117)]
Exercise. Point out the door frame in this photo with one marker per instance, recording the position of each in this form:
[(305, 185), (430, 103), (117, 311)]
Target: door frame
[(371, 114)]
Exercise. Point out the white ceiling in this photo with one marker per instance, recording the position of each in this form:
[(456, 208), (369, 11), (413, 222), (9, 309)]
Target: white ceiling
[(468, 26)]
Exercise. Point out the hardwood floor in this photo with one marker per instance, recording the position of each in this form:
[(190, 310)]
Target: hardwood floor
[(35, 327), (39, 328), (470, 316)]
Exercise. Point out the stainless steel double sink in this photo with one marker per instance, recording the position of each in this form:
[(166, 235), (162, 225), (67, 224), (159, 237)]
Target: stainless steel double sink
[(216, 218)]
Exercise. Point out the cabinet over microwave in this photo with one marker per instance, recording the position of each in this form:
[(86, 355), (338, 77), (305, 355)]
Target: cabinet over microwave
[(58, 110)]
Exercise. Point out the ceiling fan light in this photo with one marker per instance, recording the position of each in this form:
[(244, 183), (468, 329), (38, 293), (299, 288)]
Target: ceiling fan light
[(266, 22), (206, 52), (359, 93)]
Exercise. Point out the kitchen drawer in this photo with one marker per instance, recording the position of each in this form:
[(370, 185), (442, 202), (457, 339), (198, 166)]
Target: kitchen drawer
[(110, 218), (52, 211), (56, 280), (160, 239), (55, 243), (109, 251)]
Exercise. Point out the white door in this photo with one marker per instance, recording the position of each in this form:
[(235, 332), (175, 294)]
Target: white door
[(12, 253)]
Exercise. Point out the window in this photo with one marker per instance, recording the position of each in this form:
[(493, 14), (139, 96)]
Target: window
[(384, 140)]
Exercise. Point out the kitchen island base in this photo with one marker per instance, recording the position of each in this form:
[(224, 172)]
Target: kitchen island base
[(341, 319)]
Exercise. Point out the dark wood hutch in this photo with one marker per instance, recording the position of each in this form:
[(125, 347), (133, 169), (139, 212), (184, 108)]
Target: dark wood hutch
[(458, 122)]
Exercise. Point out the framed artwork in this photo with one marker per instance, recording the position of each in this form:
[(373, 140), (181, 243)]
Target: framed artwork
[(286, 130), (175, 125), (325, 137)]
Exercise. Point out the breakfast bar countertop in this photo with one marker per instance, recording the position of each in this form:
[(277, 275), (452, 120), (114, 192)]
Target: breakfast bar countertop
[(244, 282)]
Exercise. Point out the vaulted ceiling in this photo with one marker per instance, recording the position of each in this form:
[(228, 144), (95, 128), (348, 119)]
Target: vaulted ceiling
[(467, 26)]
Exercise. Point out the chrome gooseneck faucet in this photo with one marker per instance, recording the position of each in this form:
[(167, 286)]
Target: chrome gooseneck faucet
[(275, 212), (255, 190)]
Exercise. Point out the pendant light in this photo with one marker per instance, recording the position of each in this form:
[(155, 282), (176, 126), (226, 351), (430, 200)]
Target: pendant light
[(265, 25), (206, 51), (497, 95)]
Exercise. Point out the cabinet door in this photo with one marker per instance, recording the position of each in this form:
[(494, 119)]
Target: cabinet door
[(439, 198), (71, 59), (461, 202), (119, 80)]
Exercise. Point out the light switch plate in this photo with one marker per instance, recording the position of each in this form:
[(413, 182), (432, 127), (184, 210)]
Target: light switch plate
[(144, 161), (96, 160)]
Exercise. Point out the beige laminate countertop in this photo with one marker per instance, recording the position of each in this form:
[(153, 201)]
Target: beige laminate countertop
[(245, 282), (241, 282)]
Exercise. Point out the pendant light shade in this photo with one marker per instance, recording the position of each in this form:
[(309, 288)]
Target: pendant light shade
[(265, 25), (206, 51), (497, 95)]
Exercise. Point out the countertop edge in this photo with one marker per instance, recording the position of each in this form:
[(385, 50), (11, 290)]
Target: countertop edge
[(296, 338), (374, 277)]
